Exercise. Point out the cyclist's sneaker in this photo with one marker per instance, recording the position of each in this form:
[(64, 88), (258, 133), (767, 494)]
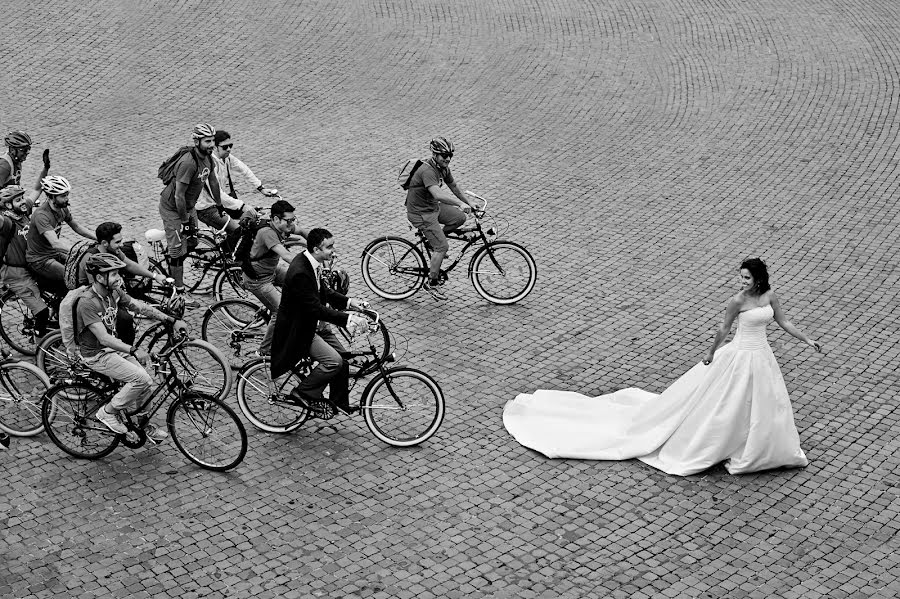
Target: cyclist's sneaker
[(4, 439), (155, 433), (467, 235), (434, 288), (111, 421)]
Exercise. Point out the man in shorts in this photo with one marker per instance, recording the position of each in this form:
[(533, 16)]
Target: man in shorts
[(434, 211), (177, 202)]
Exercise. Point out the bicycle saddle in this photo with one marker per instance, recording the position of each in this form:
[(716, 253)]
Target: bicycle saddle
[(154, 235)]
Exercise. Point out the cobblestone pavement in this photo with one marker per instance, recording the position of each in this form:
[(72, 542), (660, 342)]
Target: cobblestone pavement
[(640, 149)]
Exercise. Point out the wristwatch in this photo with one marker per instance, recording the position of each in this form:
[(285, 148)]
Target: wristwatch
[(131, 350)]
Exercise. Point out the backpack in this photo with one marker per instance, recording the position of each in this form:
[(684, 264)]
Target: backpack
[(407, 170), (249, 228), (67, 318), (166, 170), (73, 261)]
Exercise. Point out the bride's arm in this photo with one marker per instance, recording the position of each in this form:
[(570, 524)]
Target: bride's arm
[(731, 312), (788, 326)]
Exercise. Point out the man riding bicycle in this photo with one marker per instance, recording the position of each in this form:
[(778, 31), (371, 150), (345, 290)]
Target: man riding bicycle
[(18, 144), (94, 324), (434, 211)]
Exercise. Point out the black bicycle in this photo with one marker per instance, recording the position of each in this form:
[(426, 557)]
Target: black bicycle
[(401, 406), (204, 429), (17, 322), (502, 272)]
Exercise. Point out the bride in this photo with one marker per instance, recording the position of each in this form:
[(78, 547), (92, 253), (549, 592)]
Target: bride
[(733, 406)]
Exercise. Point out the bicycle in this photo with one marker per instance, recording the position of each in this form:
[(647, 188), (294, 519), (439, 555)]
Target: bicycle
[(401, 406), (21, 386), (237, 327), (395, 268), (202, 426), (17, 321), (205, 366)]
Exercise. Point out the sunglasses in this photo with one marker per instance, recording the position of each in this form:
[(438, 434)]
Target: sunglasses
[(226, 146), (446, 156)]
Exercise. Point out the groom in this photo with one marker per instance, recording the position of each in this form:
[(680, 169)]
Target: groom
[(297, 332)]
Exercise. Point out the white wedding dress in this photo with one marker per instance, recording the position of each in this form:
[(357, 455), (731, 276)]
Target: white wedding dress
[(736, 409)]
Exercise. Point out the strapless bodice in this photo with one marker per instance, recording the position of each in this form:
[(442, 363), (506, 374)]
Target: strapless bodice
[(752, 323)]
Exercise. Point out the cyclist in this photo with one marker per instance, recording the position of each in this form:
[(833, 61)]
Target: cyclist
[(18, 144), (269, 261), (45, 252), (429, 206), (177, 202), (94, 325)]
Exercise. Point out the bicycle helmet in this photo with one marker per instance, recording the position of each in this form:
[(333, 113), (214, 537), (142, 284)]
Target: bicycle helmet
[(442, 145), (202, 130), (55, 185), (17, 139), (102, 262), (10, 193), (174, 306)]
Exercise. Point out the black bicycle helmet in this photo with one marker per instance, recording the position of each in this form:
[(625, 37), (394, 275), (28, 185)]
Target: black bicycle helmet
[(102, 262)]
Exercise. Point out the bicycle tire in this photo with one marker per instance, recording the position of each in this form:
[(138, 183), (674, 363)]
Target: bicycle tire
[(51, 357), (393, 267), (69, 413), (229, 284), (517, 272), (203, 368), (235, 327), (419, 418), (22, 386), (365, 365), (17, 325), (262, 400), (207, 431)]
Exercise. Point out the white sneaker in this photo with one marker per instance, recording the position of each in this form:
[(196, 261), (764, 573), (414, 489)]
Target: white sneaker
[(111, 421), (155, 434)]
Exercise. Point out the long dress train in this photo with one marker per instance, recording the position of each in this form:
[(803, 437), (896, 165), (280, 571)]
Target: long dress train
[(736, 409)]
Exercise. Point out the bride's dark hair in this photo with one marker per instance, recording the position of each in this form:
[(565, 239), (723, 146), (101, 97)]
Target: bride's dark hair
[(760, 274)]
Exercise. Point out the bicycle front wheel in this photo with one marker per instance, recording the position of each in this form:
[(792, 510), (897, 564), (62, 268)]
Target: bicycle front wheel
[(393, 267), (203, 368), (503, 272), (403, 407), (235, 327), (207, 431), (17, 325), (69, 415), (22, 385), (264, 402), (229, 284)]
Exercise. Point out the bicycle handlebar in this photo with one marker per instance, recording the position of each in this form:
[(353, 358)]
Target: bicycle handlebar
[(484, 201)]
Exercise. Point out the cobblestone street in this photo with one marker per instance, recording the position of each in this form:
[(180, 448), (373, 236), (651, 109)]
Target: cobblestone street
[(640, 149)]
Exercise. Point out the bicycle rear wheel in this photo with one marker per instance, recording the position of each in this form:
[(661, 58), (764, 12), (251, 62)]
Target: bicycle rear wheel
[(411, 417), (393, 267), (207, 431), (235, 327), (229, 284), (69, 415), (503, 272), (22, 385), (17, 325), (264, 402), (51, 357), (203, 368)]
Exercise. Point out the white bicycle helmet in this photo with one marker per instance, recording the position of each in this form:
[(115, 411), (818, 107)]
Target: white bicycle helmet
[(442, 145), (201, 130), (54, 185)]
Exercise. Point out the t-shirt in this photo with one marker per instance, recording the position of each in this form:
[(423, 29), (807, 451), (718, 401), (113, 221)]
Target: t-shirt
[(7, 232), (264, 259), (9, 174), (15, 251), (93, 308), (418, 199), (194, 170), (44, 219)]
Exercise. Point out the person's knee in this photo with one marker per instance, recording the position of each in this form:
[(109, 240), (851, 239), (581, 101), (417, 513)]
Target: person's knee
[(142, 380), (331, 363)]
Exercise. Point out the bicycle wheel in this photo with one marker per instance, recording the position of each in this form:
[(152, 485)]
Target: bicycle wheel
[(414, 418), (264, 401), (361, 366), (207, 431), (69, 415), (203, 368), (393, 267), (21, 387), (17, 325), (229, 284), (51, 357), (503, 272), (235, 327), (197, 264)]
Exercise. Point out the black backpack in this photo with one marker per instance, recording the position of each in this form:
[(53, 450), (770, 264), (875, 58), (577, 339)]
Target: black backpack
[(166, 170), (249, 228)]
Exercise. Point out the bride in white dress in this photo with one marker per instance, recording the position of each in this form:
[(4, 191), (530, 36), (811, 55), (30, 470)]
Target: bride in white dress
[(733, 406)]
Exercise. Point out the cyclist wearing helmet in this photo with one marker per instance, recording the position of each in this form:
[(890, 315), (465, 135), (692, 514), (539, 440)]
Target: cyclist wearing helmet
[(46, 253), (429, 206), (18, 144), (178, 200), (94, 325)]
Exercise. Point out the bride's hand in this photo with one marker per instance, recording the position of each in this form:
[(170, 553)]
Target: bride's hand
[(708, 359), (815, 345)]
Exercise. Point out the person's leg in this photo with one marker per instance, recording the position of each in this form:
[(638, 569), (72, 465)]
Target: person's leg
[(26, 289), (329, 366), (50, 275), (451, 217), (128, 370), (338, 387), (270, 296), (175, 245), (430, 227)]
